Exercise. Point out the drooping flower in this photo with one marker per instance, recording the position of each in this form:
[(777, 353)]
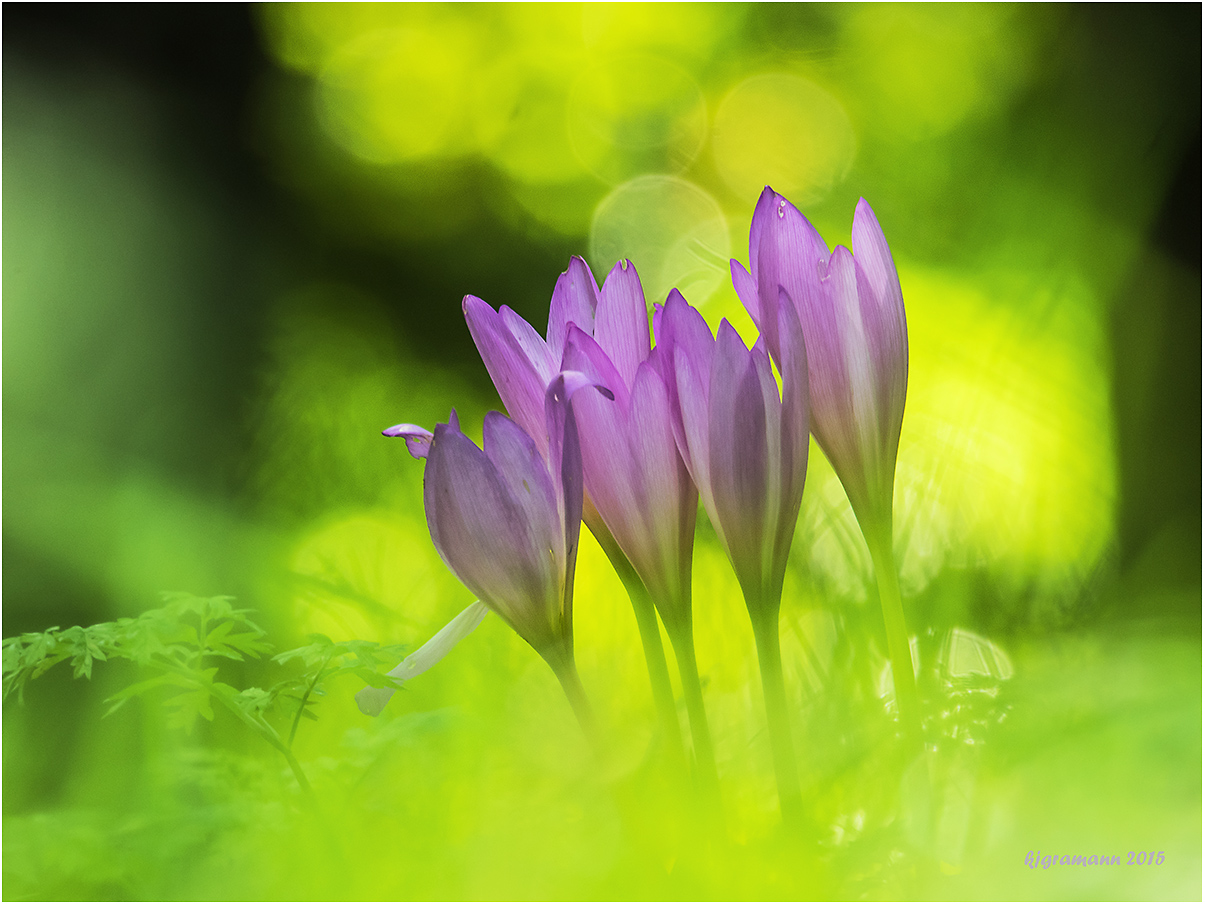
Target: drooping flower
[(851, 309), (521, 362), (506, 523), (746, 447)]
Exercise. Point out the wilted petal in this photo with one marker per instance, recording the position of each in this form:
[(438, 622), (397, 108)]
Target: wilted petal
[(517, 379), (372, 701), (418, 439), (621, 325), (574, 301)]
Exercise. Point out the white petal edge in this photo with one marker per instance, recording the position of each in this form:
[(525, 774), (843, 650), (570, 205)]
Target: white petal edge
[(372, 701)]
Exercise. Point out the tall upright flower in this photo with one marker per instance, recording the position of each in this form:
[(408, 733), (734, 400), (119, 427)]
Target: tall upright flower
[(851, 308), (636, 478), (746, 448), (521, 363), (507, 523)]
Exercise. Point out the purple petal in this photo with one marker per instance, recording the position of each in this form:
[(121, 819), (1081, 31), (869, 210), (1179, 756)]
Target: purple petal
[(584, 355), (565, 459), (746, 291), (767, 202), (606, 462), (684, 329), (668, 498), (789, 254), (574, 301), (481, 533), (621, 323), (739, 457), (794, 370), (882, 310), (418, 439), (657, 309), (524, 474), (517, 379), (872, 253), (532, 344), (841, 384)]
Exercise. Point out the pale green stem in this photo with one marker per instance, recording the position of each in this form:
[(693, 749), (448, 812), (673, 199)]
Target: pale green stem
[(654, 658), (769, 657), (305, 699), (898, 649), (566, 672), (261, 726), (707, 776)]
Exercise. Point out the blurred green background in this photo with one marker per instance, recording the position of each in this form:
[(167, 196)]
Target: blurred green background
[(236, 241)]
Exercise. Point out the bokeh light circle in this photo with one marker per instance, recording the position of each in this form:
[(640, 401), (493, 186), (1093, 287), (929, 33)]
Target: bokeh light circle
[(634, 113), (784, 131), (673, 231), (388, 96)]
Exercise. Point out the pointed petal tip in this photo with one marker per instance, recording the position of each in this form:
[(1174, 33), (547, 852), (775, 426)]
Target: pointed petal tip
[(473, 303), (675, 297)]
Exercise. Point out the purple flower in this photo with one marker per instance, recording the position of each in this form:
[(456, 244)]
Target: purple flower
[(633, 472), (745, 446), (518, 359), (747, 450), (507, 523), (851, 310), (852, 313)]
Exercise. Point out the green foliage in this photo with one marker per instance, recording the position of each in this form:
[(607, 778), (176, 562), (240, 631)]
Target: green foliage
[(174, 642), (321, 660)]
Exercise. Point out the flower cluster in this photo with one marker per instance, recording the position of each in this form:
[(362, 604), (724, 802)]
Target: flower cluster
[(628, 434)]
